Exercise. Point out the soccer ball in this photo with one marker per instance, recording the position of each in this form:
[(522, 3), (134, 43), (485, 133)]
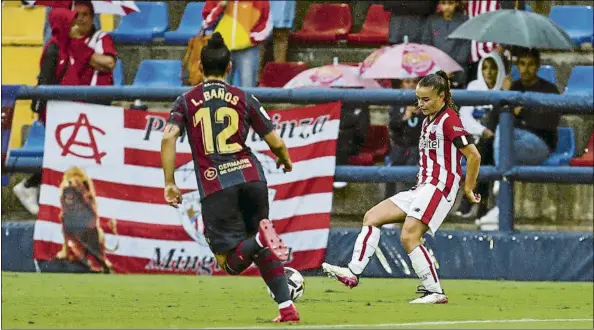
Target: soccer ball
[(296, 284)]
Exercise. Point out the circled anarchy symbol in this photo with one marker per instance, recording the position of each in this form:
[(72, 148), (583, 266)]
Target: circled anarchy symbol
[(82, 121)]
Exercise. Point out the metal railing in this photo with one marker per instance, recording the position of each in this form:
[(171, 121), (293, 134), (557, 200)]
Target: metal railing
[(507, 173)]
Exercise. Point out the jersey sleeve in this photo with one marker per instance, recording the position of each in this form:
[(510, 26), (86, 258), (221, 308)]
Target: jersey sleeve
[(258, 117), (108, 46), (454, 131), (177, 116)]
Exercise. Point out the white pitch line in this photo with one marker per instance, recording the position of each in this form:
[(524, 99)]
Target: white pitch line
[(412, 324)]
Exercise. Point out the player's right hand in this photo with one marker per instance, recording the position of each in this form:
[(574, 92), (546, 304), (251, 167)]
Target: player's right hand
[(472, 197), (172, 195), (286, 163)]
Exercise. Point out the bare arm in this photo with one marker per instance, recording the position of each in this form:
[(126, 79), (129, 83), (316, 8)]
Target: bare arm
[(473, 164), (278, 147), (170, 135), (102, 62)]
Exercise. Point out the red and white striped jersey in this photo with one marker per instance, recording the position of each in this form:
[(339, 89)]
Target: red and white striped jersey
[(474, 8), (439, 157)]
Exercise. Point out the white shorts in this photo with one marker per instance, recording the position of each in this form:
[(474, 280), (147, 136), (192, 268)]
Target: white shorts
[(425, 203)]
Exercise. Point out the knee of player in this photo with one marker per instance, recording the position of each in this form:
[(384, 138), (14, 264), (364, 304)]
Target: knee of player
[(370, 219), (409, 238)]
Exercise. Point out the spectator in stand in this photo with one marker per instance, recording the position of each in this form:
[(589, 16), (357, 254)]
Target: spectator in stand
[(437, 29), (47, 31), (535, 129), (405, 130), (243, 25), (93, 51), (354, 124), (53, 66), (479, 49), (490, 77), (408, 19)]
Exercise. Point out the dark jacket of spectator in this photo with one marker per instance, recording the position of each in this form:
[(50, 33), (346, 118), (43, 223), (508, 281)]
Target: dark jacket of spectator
[(354, 124), (405, 133), (54, 60), (408, 19), (541, 122)]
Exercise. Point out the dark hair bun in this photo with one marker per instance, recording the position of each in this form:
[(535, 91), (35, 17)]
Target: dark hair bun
[(443, 74), (216, 41)]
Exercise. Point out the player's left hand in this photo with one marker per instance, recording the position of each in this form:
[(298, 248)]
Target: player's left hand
[(286, 164), (172, 195), (472, 196)]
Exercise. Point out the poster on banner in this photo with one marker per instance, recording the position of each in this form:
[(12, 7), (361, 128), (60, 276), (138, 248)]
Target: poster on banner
[(102, 205)]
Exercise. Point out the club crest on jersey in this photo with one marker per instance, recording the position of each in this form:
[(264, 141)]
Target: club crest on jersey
[(428, 144)]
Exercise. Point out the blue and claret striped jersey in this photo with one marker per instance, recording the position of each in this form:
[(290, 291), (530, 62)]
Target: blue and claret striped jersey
[(217, 118)]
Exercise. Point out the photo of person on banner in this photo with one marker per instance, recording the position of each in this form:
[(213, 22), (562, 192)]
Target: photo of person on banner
[(84, 239)]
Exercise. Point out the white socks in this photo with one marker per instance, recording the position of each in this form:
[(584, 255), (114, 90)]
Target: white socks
[(285, 304), (423, 266), (365, 246)]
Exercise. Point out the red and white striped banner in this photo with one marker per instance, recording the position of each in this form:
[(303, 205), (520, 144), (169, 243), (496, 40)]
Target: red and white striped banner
[(119, 150)]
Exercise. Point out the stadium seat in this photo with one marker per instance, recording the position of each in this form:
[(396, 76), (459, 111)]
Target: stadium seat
[(189, 26), (587, 159), (581, 80), (375, 27), (565, 148), (376, 147), (5, 180), (324, 23), (276, 75), (31, 154), (159, 73), (118, 74), (577, 21), (151, 22), (15, 32), (546, 72)]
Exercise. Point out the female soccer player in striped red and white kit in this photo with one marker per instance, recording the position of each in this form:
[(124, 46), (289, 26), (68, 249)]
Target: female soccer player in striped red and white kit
[(442, 144)]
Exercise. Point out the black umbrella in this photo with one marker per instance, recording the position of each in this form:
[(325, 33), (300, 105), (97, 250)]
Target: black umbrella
[(514, 27)]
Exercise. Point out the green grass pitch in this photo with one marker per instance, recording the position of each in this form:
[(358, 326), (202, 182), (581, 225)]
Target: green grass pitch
[(150, 301)]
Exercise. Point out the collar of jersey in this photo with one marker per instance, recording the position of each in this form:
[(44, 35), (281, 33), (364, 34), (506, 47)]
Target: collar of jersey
[(445, 106)]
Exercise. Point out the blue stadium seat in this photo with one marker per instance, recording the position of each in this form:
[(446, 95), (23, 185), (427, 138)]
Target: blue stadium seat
[(159, 73), (565, 148), (118, 74), (151, 22), (577, 21), (581, 80), (189, 26), (546, 72), (31, 154), (5, 180)]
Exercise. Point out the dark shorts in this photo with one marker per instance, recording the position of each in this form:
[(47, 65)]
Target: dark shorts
[(233, 214)]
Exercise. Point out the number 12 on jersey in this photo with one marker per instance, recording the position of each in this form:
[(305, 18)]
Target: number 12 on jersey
[(203, 118)]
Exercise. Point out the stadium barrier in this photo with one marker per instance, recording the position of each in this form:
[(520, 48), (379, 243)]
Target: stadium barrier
[(525, 256), (507, 173)]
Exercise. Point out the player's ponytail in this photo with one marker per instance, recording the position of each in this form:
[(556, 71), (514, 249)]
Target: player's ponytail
[(215, 56), (441, 83)]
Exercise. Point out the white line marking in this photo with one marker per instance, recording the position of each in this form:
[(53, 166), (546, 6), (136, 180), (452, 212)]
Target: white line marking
[(412, 324)]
